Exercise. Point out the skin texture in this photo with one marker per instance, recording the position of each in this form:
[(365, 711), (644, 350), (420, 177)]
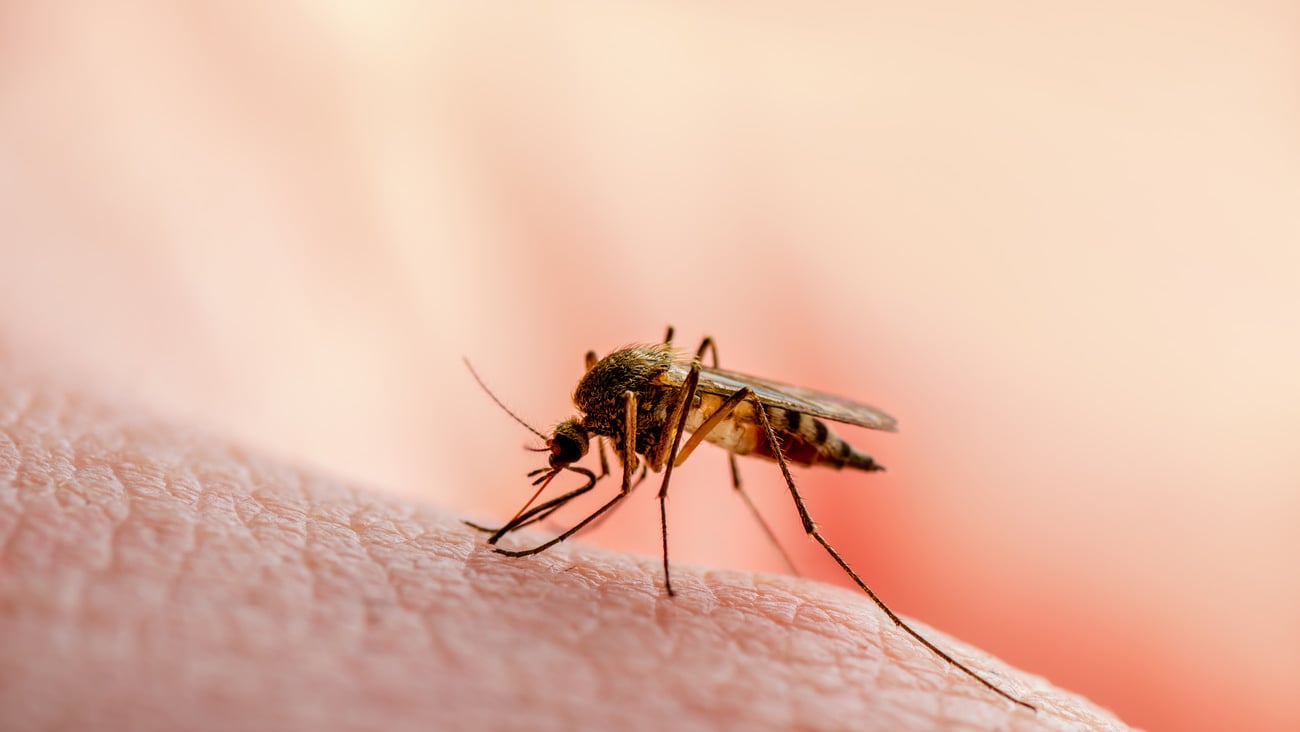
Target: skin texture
[(154, 577)]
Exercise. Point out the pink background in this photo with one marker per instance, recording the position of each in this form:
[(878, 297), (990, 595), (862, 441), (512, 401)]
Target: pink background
[(1061, 245)]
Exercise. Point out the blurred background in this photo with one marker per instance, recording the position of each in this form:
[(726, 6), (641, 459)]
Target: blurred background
[(1060, 244)]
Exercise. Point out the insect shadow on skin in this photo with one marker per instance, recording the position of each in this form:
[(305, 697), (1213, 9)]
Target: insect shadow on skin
[(644, 398)]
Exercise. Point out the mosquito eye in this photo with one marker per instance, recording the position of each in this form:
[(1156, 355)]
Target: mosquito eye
[(568, 445), (565, 450)]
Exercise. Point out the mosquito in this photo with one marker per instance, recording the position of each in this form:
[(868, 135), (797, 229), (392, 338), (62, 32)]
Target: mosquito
[(645, 398)]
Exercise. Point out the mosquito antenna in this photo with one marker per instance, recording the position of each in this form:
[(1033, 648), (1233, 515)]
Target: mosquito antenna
[(504, 408)]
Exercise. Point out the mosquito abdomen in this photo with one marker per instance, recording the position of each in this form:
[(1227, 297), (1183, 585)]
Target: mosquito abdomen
[(805, 440), (811, 435)]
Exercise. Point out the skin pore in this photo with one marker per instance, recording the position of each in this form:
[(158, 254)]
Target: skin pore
[(154, 577)]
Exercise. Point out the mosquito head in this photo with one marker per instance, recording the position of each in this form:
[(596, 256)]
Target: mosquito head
[(568, 444)]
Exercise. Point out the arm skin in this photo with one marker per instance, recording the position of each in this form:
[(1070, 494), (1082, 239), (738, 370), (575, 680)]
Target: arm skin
[(153, 578)]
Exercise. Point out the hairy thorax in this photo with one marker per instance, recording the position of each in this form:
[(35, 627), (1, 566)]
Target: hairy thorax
[(600, 395)]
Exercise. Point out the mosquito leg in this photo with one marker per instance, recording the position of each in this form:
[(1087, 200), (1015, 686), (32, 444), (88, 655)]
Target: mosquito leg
[(604, 461), (629, 465), (629, 440), (713, 421), (541, 511), (811, 527), (531, 516), (710, 346), (525, 515), (677, 419), (576, 528)]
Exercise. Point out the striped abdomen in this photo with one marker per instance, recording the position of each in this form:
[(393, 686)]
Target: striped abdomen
[(805, 440)]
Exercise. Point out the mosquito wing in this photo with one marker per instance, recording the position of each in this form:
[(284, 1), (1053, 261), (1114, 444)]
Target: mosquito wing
[(786, 396)]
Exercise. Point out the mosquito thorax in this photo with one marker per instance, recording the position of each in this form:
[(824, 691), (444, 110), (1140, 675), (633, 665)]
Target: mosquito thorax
[(568, 444), (632, 369)]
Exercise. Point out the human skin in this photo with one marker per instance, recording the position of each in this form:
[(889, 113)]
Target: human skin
[(154, 577)]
